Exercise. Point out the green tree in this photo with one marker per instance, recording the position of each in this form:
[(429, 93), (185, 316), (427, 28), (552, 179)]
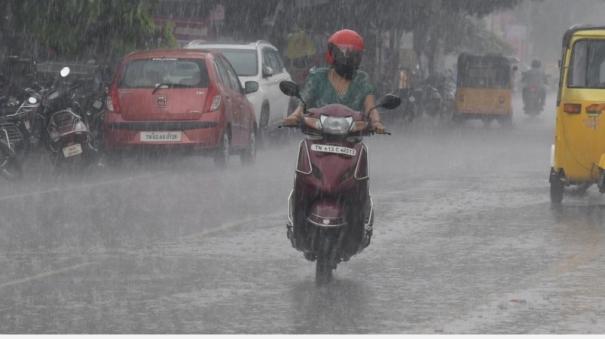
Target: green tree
[(76, 28)]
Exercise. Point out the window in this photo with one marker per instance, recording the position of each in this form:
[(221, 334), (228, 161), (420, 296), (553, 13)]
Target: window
[(222, 73), (244, 61), (228, 75), (279, 64), (272, 59), (233, 79), (587, 64), (147, 73)]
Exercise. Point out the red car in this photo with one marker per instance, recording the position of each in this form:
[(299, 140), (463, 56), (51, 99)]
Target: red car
[(180, 98)]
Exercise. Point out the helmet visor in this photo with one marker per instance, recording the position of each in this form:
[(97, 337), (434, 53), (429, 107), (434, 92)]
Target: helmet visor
[(347, 56)]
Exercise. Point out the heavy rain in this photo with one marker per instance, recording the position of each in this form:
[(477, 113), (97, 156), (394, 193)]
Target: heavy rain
[(302, 166)]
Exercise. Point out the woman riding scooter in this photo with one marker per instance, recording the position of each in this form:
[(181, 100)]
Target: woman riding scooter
[(342, 83)]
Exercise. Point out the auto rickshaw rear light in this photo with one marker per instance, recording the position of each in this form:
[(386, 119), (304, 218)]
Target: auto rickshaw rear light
[(572, 108)]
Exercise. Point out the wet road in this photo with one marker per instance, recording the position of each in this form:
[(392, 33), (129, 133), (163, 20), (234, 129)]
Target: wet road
[(465, 242)]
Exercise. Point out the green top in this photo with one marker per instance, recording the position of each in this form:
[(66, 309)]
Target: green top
[(318, 90)]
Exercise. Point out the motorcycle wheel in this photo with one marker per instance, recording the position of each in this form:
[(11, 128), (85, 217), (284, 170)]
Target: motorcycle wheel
[(10, 168), (323, 265)]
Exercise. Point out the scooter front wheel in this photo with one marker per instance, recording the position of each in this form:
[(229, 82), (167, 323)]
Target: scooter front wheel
[(323, 266)]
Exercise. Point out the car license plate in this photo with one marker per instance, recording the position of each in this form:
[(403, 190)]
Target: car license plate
[(72, 150), (334, 149), (161, 136)]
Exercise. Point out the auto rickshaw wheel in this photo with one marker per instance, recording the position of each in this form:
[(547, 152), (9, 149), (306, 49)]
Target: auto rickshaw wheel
[(556, 188), (506, 121)]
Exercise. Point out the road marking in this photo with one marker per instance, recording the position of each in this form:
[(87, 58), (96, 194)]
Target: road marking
[(44, 275)]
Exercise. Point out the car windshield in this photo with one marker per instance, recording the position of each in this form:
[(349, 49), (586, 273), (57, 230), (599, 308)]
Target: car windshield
[(245, 62), (588, 64), (170, 72)]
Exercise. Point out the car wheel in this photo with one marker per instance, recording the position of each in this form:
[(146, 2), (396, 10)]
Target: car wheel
[(263, 124), (248, 156), (221, 157)]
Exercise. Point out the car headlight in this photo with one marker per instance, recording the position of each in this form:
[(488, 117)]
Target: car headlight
[(336, 126)]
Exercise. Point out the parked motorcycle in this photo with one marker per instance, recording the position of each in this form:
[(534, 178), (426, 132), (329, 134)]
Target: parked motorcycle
[(67, 135), (330, 210), (17, 120)]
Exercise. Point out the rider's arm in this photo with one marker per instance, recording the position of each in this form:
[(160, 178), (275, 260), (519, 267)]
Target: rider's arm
[(307, 94), (369, 103)]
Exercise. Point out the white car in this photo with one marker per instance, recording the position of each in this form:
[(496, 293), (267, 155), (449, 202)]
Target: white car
[(258, 62)]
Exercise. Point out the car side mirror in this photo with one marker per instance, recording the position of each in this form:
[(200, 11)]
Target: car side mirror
[(250, 87), (267, 71)]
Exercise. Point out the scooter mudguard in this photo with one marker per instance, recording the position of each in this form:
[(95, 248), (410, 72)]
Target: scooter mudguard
[(327, 213)]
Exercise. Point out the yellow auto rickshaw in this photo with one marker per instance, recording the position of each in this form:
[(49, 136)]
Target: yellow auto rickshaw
[(578, 155), (484, 88)]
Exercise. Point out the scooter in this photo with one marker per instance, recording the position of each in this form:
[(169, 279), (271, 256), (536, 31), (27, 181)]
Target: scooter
[(67, 136), (532, 100), (331, 213), (17, 119)]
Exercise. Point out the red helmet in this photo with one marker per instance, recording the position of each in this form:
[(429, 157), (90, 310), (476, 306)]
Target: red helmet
[(345, 47)]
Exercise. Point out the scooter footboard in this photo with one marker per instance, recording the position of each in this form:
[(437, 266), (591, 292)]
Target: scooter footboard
[(327, 213)]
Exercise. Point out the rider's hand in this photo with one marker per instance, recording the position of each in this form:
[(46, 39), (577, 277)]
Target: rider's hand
[(291, 121), (378, 127)]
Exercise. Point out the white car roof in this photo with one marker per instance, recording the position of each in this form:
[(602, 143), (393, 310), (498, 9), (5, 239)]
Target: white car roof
[(227, 45)]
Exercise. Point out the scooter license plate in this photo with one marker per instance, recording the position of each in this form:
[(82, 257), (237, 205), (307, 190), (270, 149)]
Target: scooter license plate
[(334, 149), (72, 150)]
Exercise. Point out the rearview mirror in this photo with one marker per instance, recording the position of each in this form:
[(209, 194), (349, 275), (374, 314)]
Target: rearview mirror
[(389, 101), (289, 88), (250, 87)]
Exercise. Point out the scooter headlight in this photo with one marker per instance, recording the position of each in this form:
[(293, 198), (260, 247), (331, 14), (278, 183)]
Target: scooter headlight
[(32, 100), (336, 126)]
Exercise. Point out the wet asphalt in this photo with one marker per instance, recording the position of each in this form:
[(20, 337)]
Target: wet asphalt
[(465, 241)]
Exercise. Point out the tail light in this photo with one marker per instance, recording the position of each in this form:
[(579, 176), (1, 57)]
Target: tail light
[(113, 100), (213, 100), (215, 104), (572, 108)]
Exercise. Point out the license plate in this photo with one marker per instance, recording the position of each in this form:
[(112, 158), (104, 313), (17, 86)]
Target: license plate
[(72, 150), (161, 136), (334, 149)]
